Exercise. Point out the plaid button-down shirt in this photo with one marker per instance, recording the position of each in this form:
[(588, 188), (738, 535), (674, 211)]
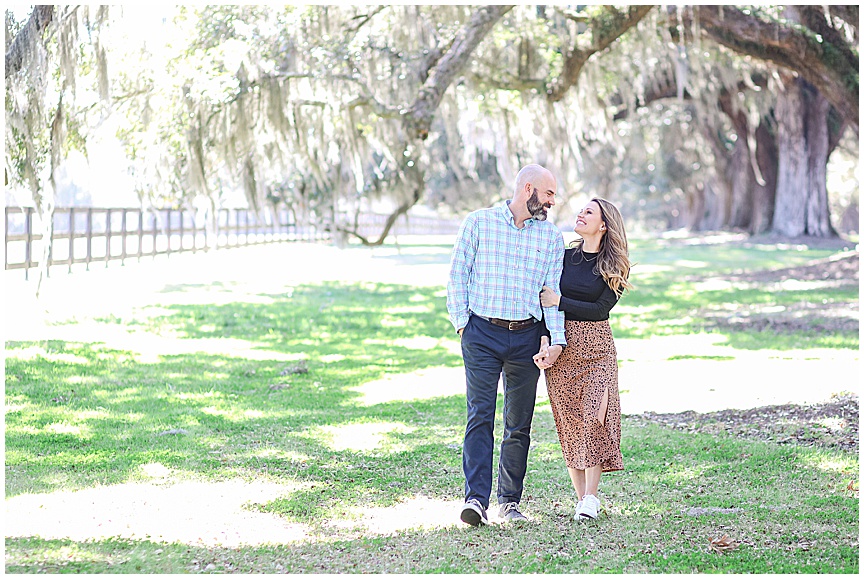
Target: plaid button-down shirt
[(497, 270)]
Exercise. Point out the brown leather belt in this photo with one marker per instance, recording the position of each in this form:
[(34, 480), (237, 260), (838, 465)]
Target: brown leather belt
[(512, 325)]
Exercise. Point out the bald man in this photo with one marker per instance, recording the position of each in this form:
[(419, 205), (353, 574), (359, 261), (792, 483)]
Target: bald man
[(502, 258)]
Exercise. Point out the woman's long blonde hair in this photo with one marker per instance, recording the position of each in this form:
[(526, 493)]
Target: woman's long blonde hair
[(613, 261)]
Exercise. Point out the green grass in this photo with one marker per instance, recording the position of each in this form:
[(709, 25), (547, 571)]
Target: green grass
[(82, 415), (668, 301)]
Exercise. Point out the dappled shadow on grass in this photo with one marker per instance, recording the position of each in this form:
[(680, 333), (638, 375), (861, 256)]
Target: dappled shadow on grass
[(228, 428), (748, 294), (234, 427), (329, 315), (677, 492), (82, 414)]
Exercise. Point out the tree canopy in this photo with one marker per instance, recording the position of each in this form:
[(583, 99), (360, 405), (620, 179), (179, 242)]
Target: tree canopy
[(331, 109)]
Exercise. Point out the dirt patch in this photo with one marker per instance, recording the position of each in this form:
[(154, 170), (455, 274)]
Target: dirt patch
[(804, 317), (836, 243), (837, 271), (832, 424), (842, 267)]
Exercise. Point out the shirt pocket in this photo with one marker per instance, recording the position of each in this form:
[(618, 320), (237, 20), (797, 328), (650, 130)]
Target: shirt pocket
[(534, 263)]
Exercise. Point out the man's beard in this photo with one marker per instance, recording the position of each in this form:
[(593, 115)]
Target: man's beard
[(537, 209)]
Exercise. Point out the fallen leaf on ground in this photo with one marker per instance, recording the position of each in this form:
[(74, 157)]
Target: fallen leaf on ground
[(724, 544), (299, 368)]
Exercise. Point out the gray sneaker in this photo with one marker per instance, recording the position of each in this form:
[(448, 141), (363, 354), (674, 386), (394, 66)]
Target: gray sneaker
[(510, 512), (473, 513)]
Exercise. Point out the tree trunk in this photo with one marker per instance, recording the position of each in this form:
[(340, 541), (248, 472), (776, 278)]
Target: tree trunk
[(737, 170), (751, 203), (716, 197), (764, 193), (695, 208), (741, 178), (802, 148)]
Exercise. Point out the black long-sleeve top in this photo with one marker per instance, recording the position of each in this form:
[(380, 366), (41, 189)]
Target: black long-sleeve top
[(585, 296)]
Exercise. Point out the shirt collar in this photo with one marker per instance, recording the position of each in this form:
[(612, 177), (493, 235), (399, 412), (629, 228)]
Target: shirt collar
[(509, 218)]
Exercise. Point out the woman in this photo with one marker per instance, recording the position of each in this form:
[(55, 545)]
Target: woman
[(582, 381)]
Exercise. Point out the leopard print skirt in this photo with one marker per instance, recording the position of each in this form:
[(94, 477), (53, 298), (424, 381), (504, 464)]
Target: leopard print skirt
[(586, 369)]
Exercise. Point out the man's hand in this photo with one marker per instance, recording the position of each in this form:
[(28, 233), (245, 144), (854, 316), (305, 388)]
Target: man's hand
[(459, 331), (547, 356), (543, 352)]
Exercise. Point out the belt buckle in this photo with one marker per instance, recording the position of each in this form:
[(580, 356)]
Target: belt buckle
[(511, 324)]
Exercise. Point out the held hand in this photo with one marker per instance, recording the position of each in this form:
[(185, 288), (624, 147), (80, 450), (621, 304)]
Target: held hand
[(554, 352), (547, 356), (548, 297), (543, 352), (541, 357)]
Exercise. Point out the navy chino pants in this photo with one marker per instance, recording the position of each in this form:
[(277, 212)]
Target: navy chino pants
[(488, 350)]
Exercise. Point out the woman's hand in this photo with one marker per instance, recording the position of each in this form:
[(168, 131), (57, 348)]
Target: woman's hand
[(547, 356), (548, 297)]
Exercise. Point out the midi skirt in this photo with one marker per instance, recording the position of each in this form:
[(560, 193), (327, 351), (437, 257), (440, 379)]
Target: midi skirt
[(586, 369)]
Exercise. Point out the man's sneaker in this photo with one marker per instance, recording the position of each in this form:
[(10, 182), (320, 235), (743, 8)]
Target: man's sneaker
[(589, 508), (510, 512), (473, 513)]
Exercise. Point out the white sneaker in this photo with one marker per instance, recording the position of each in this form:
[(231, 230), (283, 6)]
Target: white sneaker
[(589, 507)]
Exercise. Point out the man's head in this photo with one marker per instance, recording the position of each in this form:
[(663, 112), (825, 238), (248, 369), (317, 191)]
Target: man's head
[(535, 188)]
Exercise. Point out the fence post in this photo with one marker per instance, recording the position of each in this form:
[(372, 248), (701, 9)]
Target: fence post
[(194, 235), (155, 233), (140, 233), (107, 236), (71, 238), (6, 241), (28, 247), (227, 227), (123, 224), (170, 211), (89, 257)]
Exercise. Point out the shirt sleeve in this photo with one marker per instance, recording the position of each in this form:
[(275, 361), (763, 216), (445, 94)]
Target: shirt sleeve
[(554, 317), (590, 311), (461, 263)]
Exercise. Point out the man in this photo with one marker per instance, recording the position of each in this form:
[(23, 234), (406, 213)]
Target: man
[(502, 258)]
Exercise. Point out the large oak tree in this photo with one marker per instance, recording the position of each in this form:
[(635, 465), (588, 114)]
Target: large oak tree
[(328, 108)]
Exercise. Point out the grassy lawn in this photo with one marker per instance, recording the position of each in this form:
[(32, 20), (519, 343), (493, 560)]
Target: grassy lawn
[(270, 392)]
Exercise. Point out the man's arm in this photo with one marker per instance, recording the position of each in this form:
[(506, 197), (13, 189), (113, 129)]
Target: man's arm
[(553, 317), (461, 263)]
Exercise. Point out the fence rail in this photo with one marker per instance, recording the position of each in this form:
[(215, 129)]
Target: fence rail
[(85, 235)]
